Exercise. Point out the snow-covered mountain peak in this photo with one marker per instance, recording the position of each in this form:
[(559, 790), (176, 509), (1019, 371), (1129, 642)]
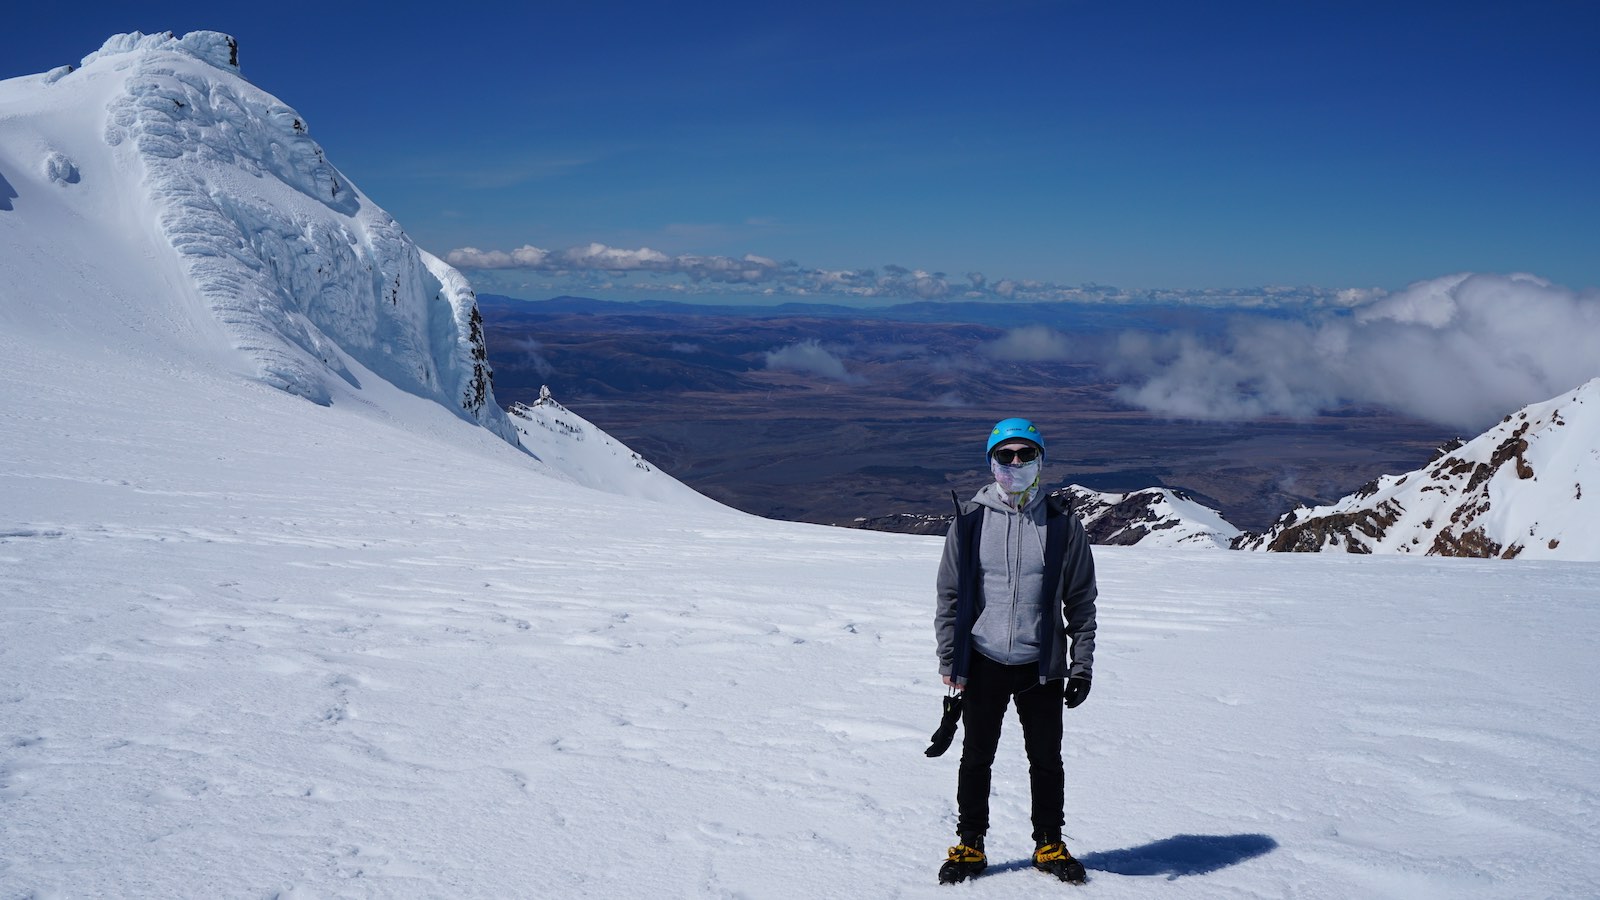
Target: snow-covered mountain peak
[(588, 455), (1529, 486), (267, 249), (1152, 517)]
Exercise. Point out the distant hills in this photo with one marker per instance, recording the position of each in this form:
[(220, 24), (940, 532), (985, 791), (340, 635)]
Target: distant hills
[(827, 414), (1069, 317), (882, 442)]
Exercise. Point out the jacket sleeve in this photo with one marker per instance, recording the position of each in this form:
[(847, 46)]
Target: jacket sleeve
[(1079, 593), (944, 615)]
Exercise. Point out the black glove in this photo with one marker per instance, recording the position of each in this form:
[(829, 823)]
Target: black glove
[(947, 726), (1077, 690)]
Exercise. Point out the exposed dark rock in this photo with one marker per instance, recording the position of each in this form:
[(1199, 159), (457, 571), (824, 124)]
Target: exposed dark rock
[(1314, 534), (1447, 447), (1474, 543), (903, 523)]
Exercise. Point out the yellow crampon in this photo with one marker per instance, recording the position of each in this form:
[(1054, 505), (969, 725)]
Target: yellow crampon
[(961, 853), (1051, 852), (965, 862), (1052, 857)]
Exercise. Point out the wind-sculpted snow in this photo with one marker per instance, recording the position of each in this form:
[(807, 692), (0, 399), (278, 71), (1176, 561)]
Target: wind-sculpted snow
[(213, 47), (305, 272)]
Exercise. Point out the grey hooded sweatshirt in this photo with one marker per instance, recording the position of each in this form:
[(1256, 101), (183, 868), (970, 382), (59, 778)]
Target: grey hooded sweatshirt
[(1011, 575)]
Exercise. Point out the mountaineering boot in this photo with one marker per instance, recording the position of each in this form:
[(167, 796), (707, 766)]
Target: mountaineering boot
[(1052, 857), (966, 860)]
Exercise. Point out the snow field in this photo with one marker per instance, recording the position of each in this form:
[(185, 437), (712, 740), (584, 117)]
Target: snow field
[(256, 647)]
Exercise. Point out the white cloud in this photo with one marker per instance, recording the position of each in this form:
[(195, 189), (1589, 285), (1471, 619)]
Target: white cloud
[(689, 273), (531, 355), (1462, 350), (809, 356), (526, 257), (1032, 343), (600, 258)]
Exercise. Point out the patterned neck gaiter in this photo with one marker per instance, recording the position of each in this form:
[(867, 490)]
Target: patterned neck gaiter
[(1015, 479)]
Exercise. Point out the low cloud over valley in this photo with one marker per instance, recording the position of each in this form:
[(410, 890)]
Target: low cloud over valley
[(1461, 351), (812, 357)]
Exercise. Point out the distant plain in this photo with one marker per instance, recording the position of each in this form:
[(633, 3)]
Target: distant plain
[(825, 414)]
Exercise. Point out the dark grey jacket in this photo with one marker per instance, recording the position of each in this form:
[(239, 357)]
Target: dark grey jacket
[(1017, 585)]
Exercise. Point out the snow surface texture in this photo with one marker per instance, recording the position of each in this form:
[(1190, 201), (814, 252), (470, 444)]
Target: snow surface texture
[(304, 271), (1530, 486), (1153, 517), (255, 647)]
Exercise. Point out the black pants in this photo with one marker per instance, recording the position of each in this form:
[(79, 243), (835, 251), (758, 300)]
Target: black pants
[(990, 688)]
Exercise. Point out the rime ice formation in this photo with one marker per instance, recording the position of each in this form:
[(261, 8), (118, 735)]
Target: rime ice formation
[(1528, 487), (310, 279)]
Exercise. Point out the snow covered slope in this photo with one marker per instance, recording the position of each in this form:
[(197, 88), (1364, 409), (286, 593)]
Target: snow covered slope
[(1153, 517), (160, 159), (1528, 487), (257, 647), (591, 457)]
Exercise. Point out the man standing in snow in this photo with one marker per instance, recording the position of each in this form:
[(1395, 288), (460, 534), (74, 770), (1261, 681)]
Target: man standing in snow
[(1016, 585)]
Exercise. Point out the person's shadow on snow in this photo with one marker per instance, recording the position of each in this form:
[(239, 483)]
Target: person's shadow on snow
[(1184, 854), (7, 194)]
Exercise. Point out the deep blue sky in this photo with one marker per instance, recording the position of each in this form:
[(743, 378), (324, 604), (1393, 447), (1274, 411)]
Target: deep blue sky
[(1177, 145)]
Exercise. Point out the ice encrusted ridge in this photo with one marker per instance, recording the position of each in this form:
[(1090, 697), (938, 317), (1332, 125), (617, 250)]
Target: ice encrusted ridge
[(214, 47), (301, 268)]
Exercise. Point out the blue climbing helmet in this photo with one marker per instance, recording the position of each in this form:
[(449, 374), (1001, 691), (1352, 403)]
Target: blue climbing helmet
[(1014, 429)]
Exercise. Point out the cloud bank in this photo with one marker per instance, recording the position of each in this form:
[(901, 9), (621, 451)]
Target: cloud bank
[(599, 265), (1462, 350), (749, 269)]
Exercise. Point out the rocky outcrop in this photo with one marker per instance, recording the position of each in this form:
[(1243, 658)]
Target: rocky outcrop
[(1152, 517)]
